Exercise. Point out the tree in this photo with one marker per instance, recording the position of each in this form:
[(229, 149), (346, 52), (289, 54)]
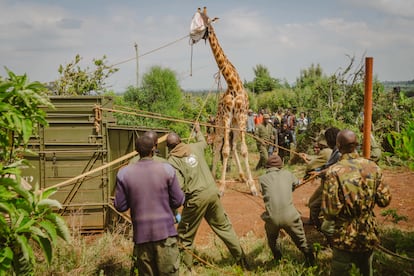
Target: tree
[(160, 93), (262, 81), (74, 80), (19, 102), (403, 142), (335, 98), (26, 216)]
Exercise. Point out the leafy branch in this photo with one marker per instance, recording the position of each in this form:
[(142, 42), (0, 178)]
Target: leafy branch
[(27, 219)]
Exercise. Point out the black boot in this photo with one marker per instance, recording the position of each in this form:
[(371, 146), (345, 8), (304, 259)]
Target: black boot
[(309, 258), (242, 262)]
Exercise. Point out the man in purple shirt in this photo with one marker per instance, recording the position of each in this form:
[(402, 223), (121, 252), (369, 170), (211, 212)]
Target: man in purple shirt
[(150, 189)]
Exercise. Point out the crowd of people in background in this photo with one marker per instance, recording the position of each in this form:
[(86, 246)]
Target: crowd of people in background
[(286, 126)]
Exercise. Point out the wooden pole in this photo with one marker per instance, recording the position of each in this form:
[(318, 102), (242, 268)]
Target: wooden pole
[(70, 181), (366, 151)]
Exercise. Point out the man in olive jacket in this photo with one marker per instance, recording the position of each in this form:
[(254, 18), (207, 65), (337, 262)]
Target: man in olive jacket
[(202, 197), (266, 133), (277, 185)]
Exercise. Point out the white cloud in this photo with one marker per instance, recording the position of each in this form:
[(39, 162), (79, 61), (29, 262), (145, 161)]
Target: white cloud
[(404, 8), (36, 38)]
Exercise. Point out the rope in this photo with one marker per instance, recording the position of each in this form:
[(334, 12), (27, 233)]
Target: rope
[(389, 252), (122, 215), (98, 118), (191, 61), (379, 247), (152, 51), (69, 181), (173, 119), (249, 196), (128, 219), (204, 261), (205, 100), (270, 143)]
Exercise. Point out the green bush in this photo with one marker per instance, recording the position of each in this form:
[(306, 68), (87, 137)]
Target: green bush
[(403, 143), (27, 220)]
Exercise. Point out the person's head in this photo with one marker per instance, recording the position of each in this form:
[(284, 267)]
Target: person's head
[(285, 126), (330, 136), (302, 115), (266, 118), (320, 142), (173, 140), (316, 148), (153, 135), (346, 141), (274, 161), (250, 112), (144, 146)]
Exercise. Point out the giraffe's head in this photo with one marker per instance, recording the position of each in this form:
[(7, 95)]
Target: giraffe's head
[(201, 25)]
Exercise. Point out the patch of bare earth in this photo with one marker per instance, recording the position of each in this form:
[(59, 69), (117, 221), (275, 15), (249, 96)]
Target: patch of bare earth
[(244, 210)]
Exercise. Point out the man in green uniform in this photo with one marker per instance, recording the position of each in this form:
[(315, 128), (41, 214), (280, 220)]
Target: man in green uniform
[(266, 132), (201, 197), (314, 165), (352, 188), (314, 162), (277, 185)]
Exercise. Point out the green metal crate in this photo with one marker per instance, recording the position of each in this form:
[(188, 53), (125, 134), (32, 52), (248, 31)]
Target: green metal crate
[(77, 140)]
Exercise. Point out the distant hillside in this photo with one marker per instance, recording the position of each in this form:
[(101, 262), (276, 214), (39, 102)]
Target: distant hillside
[(405, 86)]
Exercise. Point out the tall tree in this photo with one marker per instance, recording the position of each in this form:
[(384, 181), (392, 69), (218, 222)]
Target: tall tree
[(160, 93), (338, 97), (262, 81), (74, 80)]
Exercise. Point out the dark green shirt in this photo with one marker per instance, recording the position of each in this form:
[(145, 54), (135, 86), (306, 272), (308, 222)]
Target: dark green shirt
[(266, 133), (277, 185), (192, 169)]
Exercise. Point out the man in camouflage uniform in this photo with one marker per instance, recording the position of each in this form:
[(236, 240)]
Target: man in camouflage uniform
[(266, 132), (352, 188)]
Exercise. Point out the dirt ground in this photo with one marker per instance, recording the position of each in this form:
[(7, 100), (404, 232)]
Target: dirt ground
[(244, 210)]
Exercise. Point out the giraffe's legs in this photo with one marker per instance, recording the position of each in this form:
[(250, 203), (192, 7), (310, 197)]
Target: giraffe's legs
[(217, 146), (225, 152), (236, 155), (225, 155), (245, 154)]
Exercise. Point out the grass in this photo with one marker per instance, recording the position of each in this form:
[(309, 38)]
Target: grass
[(103, 254), (110, 254)]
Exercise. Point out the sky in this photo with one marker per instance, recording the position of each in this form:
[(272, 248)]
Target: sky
[(36, 36)]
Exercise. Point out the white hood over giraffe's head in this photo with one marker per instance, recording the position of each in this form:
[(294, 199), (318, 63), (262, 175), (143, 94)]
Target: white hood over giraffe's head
[(199, 25), (198, 28)]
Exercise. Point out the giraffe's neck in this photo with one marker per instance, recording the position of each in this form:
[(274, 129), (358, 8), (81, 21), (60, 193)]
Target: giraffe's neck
[(227, 69)]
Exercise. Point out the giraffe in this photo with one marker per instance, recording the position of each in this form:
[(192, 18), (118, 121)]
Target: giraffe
[(231, 114)]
